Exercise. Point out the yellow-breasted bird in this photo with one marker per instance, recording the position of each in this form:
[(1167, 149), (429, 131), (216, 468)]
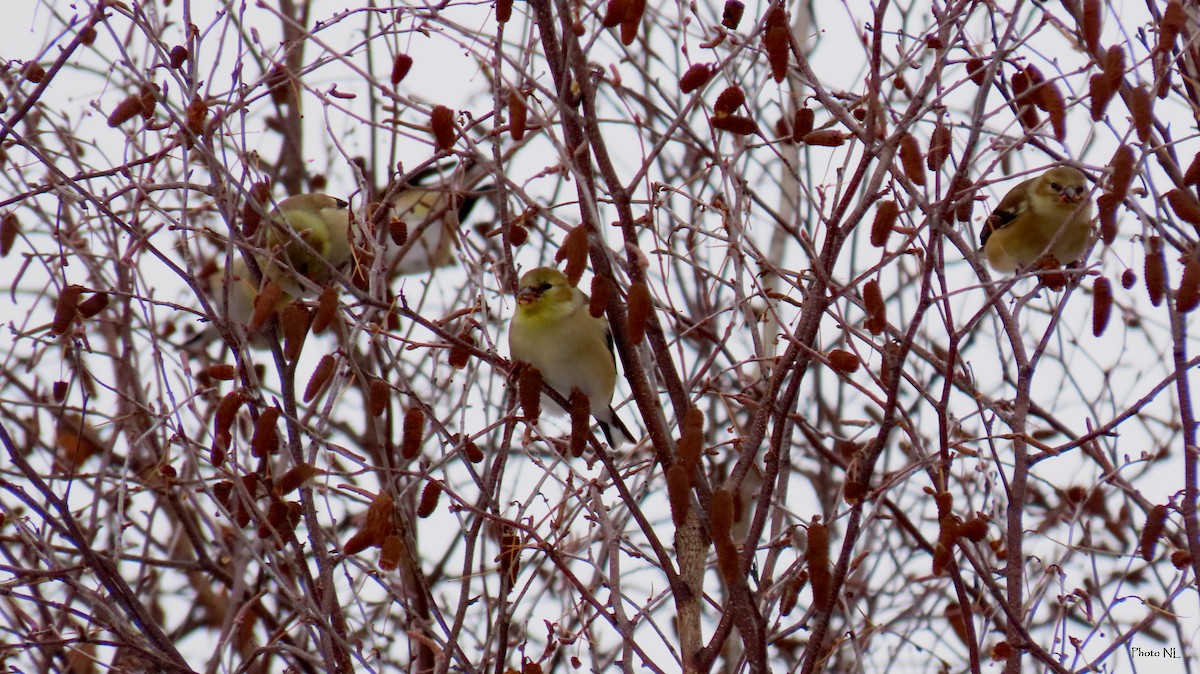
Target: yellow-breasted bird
[(1054, 206), (318, 241), (553, 331)]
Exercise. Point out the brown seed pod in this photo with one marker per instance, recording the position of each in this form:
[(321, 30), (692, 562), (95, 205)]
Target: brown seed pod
[(264, 305), (503, 10), (59, 391), (518, 114), (1187, 296), (911, 159), (460, 351), (1162, 69), (825, 138), (729, 101), (221, 371), (265, 440), (414, 432), (1102, 300), (391, 551), (615, 13), (326, 310), (1181, 559), (294, 323), (472, 452), (126, 110), (876, 321), (1051, 100), (529, 390), (695, 77), (1192, 175), (731, 16), (295, 478), (356, 543), (87, 36), (93, 305), (1114, 65), (679, 486), (631, 22), (1128, 278), (575, 251), (1100, 91), (517, 234), (974, 529), (727, 562), (819, 573), (976, 70), (441, 121), (640, 306), (401, 64), (1156, 521), (776, 41), (253, 207), (429, 499), (581, 425), (691, 440), (1184, 203), (1020, 87), (598, 300), (1106, 207), (320, 377), (9, 228), (791, 592), (1090, 24), (1155, 271), (802, 124), (1141, 108), (720, 519), (843, 361), (1173, 20), (940, 144), (195, 114), (509, 559), (378, 396), (66, 309), (179, 55), (886, 214), (227, 409), (1122, 172), (735, 124)]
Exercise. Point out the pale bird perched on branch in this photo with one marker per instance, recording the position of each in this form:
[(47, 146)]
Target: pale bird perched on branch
[(1053, 207), (309, 237), (553, 331), (235, 302)]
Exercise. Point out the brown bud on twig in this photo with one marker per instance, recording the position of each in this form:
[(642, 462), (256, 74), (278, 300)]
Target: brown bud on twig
[(59, 391), (503, 10), (401, 64), (974, 529), (1090, 23), (1051, 100), (226, 411), (320, 377), (66, 309), (632, 20), (264, 305), (460, 351), (876, 321), (1156, 521), (825, 138), (1173, 20), (1141, 108), (196, 113), (1128, 278), (615, 13), (265, 440), (9, 228), (802, 124), (735, 124), (581, 426), (529, 390), (1156, 270), (93, 305), (976, 70), (598, 301), (510, 556), (679, 495), (295, 478), (1106, 207), (910, 159), (472, 452), (1102, 300), (378, 397), (940, 144), (518, 114), (1187, 296), (1122, 172), (126, 110), (575, 251), (391, 551), (721, 518), (414, 432), (253, 208), (691, 440), (886, 214), (729, 101), (640, 306), (179, 55), (732, 14), (1184, 203), (294, 323), (326, 310), (843, 361), (695, 77), (1192, 175), (819, 574), (1101, 91), (441, 121), (776, 42), (429, 499)]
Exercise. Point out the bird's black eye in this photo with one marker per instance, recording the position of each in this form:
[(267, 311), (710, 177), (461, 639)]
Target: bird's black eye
[(544, 287), (1056, 187)]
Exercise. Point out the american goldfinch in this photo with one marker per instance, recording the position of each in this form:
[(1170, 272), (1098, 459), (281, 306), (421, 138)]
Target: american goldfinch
[(431, 215), (309, 237), (234, 303), (553, 331), (1054, 206)]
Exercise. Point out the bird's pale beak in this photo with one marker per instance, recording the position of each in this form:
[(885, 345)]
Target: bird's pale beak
[(526, 295), (1072, 195)]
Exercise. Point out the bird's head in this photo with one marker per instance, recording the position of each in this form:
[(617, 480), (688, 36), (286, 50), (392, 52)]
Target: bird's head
[(1064, 184), (543, 288)]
